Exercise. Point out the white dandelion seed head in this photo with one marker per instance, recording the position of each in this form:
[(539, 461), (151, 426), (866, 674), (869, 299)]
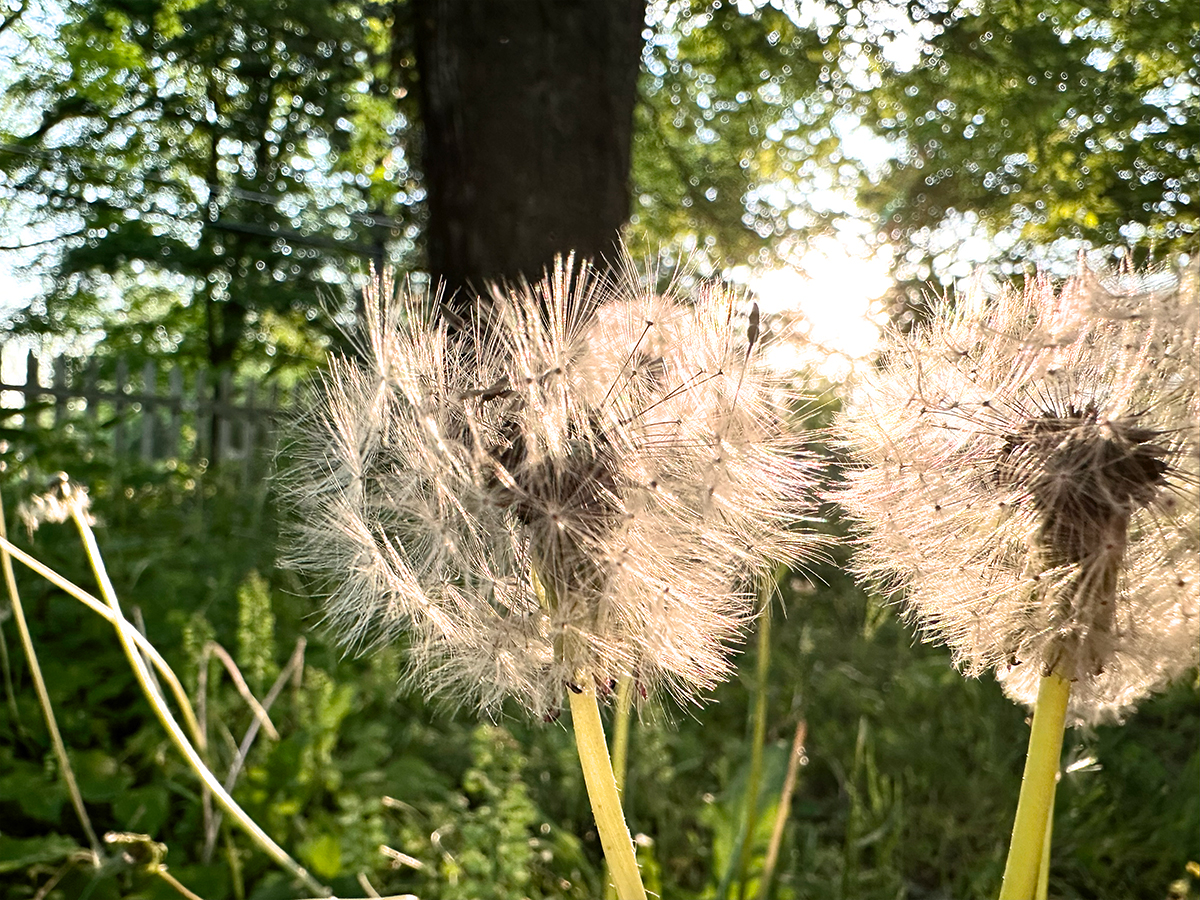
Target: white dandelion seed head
[(1028, 484), (59, 502), (626, 446)]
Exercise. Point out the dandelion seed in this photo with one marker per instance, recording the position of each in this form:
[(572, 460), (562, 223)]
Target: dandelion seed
[(576, 486), (1030, 485)]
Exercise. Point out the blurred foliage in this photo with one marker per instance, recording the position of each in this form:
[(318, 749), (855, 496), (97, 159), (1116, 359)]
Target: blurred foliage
[(958, 132), (212, 171), (908, 792), (191, 178)]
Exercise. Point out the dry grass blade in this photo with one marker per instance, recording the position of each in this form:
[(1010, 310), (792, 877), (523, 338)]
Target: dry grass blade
[(39, 685)]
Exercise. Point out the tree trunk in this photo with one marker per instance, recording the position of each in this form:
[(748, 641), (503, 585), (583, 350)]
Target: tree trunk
[(527, 107)]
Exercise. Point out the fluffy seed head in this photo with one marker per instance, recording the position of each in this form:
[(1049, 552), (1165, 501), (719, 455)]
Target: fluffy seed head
[(578, 485), (59, 502), (1028, 482)]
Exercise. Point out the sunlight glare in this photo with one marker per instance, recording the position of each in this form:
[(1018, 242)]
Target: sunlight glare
[(828, 310)]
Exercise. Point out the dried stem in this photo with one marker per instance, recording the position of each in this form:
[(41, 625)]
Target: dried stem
[(293, 665), (176, 884), (785, 804), (39, 685), (125, 631), (212, 648)]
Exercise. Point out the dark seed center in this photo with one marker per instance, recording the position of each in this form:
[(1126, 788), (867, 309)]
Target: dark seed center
[(579, 486), (1083, 475)]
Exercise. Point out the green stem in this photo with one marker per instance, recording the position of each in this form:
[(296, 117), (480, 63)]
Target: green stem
[(1043, 885), (10, 694), (1035, 805), (39, 686), (620, 754), (602, 791), (620, 743)]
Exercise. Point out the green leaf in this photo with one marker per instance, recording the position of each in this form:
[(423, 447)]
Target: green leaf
[(37, 798), (21, 853), (323, 855), (100, 777), (142, 809)]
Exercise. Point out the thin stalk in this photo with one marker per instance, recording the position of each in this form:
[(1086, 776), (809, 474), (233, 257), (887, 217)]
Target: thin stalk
[(235, 864), (294, 665), (602, 792), (143, 644), (796, 760), (620, 755), (125, 632), (620, 742), (743, 845), (758, 741), (1036, 802), (39, 685), (182, 889), (10, 694), (212, 648)]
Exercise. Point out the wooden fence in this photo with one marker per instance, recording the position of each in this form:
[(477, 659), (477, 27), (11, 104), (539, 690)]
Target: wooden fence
[(151, 415)]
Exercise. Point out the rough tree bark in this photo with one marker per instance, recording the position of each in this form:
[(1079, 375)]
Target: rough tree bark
[(527, 107)]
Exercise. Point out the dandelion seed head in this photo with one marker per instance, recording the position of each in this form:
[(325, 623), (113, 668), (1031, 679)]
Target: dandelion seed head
[(580, 484), (1028, 484), (62, 499)]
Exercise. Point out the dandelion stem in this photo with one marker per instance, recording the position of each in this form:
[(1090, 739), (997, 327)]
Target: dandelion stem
[(620, 755), (1043, 885), (619, 860), (602, 792), (172, 727), (1035, 805)]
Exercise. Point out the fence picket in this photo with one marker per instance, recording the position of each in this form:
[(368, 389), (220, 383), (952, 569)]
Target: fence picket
[(175, 408), (149, 409), (60, 392), (204, 419), (119, 387), (31, 381), (91, 394)]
